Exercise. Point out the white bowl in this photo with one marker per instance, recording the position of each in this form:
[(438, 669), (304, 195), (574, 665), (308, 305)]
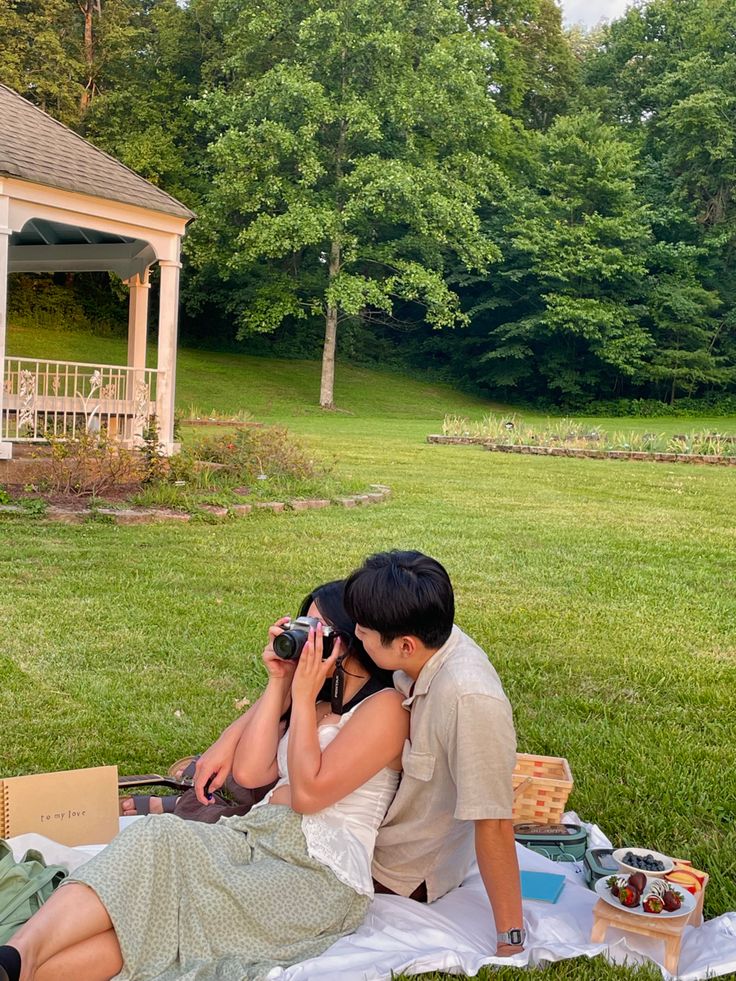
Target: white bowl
[(618, 856)]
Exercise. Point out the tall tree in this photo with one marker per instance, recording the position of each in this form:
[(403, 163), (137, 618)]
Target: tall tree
[(534, 74), (88, 9), (348, 152), (41, 56), (153, 67), (667, 73), (564, 315), (684, 325), (59, 54)]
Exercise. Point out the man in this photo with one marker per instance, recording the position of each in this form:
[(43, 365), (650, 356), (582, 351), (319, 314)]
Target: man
[(456, 795)]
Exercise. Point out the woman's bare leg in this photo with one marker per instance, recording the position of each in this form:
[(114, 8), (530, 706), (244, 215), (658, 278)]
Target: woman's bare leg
[(72, 915), (97, 959)]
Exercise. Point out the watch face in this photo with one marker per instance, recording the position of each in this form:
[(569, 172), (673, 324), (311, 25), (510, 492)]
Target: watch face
[(515, 937)]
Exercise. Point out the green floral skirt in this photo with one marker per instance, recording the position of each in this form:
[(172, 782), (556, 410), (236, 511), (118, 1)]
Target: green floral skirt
[(221, 902)]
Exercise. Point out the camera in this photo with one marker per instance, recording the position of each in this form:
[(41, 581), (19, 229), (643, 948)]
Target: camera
[(289, 645)]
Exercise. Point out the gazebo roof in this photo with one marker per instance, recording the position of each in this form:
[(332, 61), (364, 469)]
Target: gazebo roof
[(35, 147)]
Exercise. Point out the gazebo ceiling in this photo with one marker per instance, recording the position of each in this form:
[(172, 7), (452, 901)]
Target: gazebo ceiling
[(49, 246), (40, 232)]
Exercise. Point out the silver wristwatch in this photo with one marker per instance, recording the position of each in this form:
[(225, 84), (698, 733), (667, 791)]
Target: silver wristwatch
[(514, 938)]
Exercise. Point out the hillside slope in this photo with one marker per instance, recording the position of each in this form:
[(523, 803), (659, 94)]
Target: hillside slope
[(266, 387)]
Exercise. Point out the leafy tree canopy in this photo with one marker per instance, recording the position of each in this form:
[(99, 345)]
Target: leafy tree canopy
[(352, 151)]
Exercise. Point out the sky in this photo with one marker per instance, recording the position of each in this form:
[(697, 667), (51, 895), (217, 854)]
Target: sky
[(589, 12)]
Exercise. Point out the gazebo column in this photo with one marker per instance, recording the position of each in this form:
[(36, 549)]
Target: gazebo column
[(6, 448), (137, 339), (168, 322), (138, 320)]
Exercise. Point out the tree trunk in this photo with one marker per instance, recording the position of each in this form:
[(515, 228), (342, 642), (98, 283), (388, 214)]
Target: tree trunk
[(327, 385), (88, 8)]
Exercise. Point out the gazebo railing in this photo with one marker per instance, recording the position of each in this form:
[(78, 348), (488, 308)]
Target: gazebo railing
[(66, 398)]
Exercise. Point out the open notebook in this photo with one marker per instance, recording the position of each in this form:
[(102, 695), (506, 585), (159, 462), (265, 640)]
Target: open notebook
[(73, 807)]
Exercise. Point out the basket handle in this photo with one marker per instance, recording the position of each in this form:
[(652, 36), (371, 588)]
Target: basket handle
[(522, 786)]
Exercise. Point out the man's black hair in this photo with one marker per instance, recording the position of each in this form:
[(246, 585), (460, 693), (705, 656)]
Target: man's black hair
[(399, 593)]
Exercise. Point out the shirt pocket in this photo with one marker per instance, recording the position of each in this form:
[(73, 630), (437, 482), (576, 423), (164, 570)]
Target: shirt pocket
[(418, 765)]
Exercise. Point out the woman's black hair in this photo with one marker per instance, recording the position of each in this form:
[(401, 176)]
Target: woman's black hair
[(330, 601)]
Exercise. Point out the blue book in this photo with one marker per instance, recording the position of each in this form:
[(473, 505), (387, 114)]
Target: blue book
[(545, 886)]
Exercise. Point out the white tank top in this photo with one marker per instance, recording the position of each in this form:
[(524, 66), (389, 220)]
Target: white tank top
[(343, 835)]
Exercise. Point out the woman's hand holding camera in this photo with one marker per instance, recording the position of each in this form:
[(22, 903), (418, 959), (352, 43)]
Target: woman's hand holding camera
[(278, 669), (311, 671)]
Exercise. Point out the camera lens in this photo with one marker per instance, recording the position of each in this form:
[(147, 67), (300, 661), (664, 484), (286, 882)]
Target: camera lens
[(288, 645)]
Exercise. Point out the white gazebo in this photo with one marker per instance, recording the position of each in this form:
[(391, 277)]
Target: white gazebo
[(66, 206)]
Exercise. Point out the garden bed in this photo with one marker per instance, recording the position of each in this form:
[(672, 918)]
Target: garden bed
[(592, 454), (249, 468), (573, 438), (78, 512)]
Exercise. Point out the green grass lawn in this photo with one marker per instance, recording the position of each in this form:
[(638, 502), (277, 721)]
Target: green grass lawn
[(602, 590)]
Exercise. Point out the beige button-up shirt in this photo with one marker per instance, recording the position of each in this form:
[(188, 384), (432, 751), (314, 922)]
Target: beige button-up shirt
[(457, 768)]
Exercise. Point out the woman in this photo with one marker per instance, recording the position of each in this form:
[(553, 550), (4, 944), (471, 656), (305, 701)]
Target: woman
[(214, 768), (173, 900)]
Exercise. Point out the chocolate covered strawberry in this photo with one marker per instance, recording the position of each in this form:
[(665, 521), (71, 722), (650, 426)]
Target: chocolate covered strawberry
[(612, 883), (638, 880), (653, 904), (672, 900), (629, 896)]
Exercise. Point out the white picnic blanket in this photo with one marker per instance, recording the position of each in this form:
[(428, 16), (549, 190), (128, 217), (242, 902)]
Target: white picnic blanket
[(451, 935)]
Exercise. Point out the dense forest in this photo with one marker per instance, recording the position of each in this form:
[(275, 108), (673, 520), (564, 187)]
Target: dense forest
[(469, 190)]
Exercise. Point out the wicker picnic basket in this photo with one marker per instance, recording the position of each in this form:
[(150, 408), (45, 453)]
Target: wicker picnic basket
[(542, 785)]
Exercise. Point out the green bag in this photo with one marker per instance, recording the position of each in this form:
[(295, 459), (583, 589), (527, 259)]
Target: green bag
[(24, 887), (560, 842)]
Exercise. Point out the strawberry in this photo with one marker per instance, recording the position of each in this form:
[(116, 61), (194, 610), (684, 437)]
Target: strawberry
[(629, 896), (672, 900), (612, 883), (638, 880), (653, 904)]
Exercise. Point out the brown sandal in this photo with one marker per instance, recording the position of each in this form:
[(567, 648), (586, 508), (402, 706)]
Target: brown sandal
[(183, 770), (142, 803)]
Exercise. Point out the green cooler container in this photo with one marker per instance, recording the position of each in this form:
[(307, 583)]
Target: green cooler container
[(560, 842)]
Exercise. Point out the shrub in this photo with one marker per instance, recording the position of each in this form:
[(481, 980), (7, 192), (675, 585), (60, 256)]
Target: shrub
[(253, 454), (153, 461), (90, 465), (92, 303), (710, 405)]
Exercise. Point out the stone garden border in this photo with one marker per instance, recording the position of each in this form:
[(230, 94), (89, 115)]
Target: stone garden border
[(723, 461), (231, 423), (376, 494)]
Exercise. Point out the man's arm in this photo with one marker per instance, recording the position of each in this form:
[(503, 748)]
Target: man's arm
[(495, 849)]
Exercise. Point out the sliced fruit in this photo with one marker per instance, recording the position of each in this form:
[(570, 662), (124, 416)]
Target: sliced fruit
[(688, 880)]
